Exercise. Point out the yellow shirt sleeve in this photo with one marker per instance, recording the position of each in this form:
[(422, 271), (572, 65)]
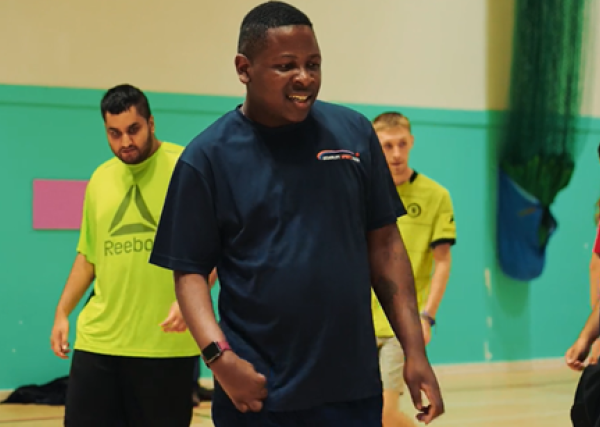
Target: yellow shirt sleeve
[(87, 232), (444, 227)]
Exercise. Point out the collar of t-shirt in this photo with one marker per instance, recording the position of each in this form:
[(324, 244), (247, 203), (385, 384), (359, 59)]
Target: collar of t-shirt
[(413, 176), (274, 132), (410, 181), (140, 168)]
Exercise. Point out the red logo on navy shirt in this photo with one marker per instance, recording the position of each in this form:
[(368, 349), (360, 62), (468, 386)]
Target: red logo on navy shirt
[(338, 155)]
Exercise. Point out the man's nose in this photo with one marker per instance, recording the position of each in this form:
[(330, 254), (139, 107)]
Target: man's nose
[(304, 77), (127, 140)]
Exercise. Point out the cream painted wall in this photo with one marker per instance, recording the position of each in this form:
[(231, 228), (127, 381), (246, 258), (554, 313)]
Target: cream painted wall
[(438, 54)]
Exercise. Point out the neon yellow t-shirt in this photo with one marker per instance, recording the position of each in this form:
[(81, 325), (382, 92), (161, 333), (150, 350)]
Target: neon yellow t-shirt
[(122, 208), (429, 221)]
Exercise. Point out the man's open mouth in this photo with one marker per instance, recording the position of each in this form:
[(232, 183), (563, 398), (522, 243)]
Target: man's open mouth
[(299, 98)]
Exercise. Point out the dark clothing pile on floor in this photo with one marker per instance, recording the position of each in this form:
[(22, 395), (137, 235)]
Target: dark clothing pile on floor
[(54, 393)]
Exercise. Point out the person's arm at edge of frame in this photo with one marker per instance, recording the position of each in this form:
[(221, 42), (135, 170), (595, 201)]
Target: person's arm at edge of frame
[(594, 271), (591, 330), (594, 279), (578, 352), (595, 264), (595, 296)]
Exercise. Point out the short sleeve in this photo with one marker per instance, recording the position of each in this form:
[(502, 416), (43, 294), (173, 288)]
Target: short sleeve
[(596, 249), (384, 203), (187, 237), (444, 228), (86, 245)]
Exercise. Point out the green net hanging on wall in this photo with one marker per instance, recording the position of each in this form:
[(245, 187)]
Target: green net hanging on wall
[(538, 149)]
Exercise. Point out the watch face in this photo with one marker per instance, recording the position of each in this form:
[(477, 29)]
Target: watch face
[(211, 351)]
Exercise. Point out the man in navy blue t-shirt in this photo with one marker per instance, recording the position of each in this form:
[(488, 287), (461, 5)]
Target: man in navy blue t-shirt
[(291, 199)]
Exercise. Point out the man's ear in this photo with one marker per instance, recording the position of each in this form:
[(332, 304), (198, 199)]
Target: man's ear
[(151, 124), (242, 64)]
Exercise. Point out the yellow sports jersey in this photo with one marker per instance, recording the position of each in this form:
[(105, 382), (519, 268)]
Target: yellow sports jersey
[(122, 208), (429, 221)]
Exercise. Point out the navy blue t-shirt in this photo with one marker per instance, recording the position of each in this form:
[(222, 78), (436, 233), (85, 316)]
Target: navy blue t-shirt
[(284, 215)]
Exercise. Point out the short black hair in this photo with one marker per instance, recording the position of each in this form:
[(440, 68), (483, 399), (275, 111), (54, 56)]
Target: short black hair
[(268, 15), (121, 98), (598, 150)]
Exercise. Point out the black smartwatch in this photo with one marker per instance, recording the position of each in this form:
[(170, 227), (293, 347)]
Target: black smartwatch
[(213, 351)]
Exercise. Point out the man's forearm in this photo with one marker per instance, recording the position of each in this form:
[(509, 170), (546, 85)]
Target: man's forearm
[(591, 330), (439, 280), (195, 303), (80, 278), (594, 279), (393, 283)]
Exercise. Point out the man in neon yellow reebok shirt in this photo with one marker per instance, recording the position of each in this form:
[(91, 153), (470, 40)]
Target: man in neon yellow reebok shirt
[(126, 368), (428, 231)]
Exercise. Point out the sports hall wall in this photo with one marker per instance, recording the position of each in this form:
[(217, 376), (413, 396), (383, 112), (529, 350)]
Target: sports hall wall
[(444, 64)]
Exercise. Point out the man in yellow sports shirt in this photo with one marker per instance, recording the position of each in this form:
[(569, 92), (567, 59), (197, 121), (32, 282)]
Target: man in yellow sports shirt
[(428, 231), (126, 369)]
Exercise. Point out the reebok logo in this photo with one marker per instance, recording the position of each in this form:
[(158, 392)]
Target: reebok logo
[(119, 228)]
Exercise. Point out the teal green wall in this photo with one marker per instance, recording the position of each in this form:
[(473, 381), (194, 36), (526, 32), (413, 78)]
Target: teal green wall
[(57, 133)]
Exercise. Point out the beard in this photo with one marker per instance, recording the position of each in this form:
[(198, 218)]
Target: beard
[(135, 155)]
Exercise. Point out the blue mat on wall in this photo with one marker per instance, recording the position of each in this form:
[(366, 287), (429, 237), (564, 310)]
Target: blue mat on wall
[(524, 229)]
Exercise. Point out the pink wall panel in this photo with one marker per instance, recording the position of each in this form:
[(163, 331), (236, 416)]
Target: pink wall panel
[(57, 204)]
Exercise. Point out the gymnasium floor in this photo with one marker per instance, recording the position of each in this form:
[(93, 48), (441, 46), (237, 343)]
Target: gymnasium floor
[(519, 396)]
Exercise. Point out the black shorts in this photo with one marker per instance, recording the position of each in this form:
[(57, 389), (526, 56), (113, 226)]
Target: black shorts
[(361, 413), (114, 391)]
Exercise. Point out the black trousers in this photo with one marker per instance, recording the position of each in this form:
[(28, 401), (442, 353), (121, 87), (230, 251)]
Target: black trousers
[(113, 391), (585, 411), (196, 370)]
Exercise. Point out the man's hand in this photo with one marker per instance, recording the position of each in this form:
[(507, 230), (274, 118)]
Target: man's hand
[(577, 354), (59, 338), (245, 387), (174, 321), (419, 377), (426, 331)]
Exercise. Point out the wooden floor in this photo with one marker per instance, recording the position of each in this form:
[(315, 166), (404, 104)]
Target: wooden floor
[(519, 398)]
